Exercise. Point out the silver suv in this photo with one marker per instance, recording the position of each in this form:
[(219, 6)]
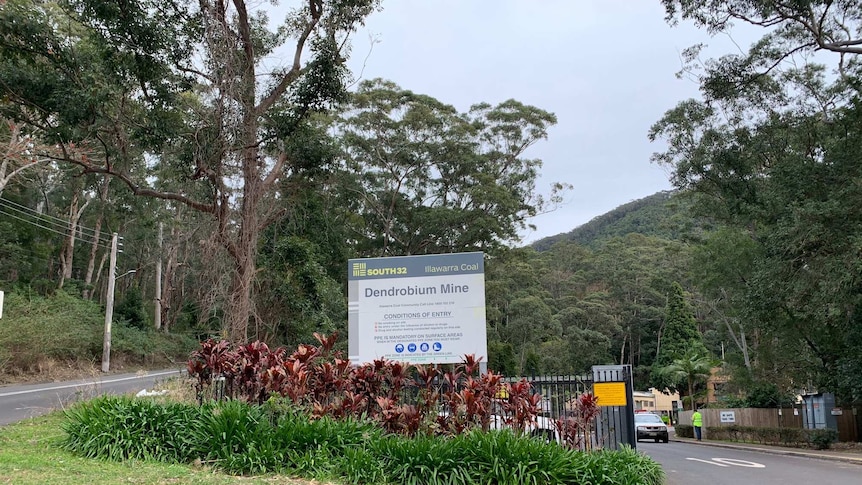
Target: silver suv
[(650, 425)]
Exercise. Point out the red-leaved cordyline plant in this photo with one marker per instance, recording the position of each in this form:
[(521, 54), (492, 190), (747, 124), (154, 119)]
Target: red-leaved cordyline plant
[(212, 360), (320, 380), (429, 395), (521, 406), (576, 430), (254, 360)]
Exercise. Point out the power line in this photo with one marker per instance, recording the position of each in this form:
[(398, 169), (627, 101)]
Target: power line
[(64, 234), (48, 219)]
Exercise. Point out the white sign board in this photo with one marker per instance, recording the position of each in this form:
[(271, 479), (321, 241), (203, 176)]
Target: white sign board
[(728, 416), (1, 304), (417, 309)]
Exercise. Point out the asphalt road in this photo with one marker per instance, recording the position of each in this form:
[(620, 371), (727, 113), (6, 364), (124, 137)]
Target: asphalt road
[(19, 402), (687, 464)]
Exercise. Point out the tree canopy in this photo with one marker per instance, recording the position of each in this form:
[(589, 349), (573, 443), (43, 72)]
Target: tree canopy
[(774, 145)]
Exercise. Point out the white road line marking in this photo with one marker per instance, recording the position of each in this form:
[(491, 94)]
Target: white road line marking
[(68, 386), (732, 461), (708, 461)]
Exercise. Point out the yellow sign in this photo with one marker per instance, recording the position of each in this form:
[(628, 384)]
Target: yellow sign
[(610, 393)]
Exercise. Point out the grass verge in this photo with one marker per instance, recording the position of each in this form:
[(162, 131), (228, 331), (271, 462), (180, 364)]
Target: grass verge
[(30, 453)]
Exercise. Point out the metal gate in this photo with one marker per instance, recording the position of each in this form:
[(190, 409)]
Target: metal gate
[(614, 427)]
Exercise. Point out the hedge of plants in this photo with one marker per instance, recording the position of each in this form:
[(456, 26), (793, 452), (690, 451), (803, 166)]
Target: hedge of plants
[(403, 398), (820, 439), (684, 430), (310, 413), (278, 437)]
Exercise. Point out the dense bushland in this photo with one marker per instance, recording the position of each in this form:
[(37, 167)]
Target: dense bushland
[(45, 334)]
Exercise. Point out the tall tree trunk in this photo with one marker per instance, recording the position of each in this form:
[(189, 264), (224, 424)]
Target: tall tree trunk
[(623, 349), (157, 311), (68, 251), (168, 284), (691, 392), (245, 248), (91, 264), (99, 272)]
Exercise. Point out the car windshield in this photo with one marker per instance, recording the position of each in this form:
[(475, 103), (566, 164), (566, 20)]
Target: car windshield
[(647, 418)]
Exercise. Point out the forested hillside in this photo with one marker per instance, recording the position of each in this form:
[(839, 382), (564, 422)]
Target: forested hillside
[(664, 214)]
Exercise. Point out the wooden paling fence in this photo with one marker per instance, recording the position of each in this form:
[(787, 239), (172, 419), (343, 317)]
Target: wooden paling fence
[(848, 424)]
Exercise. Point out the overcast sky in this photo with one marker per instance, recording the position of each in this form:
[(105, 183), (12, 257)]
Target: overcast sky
[(606, 68)]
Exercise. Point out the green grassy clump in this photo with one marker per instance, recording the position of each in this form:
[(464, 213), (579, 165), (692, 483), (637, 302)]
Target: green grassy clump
[(31, 453), (122, 428), (250, 440)]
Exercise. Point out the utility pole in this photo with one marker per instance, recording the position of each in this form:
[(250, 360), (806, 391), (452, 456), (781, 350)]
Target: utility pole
[(158, 313), (109, 307)]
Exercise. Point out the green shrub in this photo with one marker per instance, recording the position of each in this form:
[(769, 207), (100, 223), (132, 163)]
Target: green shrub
[(791, 436), (130, 309), (684, 430), (133, 342), (238, 438), (504, 457), (59, 327), (821, 439), (122, 428), (298, 432), (768, 435), (358, 465), (423, 460), (66, 328), (617, 467), (816, 438), (247, 439)]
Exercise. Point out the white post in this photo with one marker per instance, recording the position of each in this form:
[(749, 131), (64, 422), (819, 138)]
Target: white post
[(158, 315), (109, 306), (1, 304)]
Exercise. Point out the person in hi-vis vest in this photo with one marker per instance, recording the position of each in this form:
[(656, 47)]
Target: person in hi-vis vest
[(697, 422)]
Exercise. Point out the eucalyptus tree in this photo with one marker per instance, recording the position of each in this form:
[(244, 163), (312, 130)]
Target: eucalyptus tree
[(162, 92), (429, 179), (19, 151), (775, 143), (636, 271), (723, 267)]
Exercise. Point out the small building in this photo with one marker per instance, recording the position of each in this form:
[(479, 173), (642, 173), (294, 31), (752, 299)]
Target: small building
[(657, 402), (644, 401), (715, 384)]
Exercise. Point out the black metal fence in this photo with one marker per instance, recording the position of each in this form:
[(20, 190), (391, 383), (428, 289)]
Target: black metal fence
[(558, 392)]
